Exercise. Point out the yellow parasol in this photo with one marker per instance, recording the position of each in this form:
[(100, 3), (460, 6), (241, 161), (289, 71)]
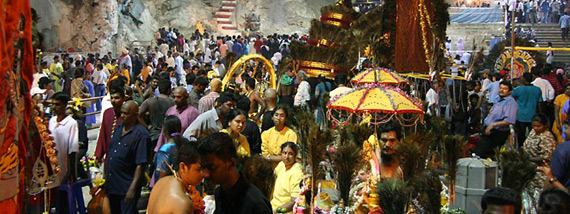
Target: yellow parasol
[(381, 102), (378, 75)]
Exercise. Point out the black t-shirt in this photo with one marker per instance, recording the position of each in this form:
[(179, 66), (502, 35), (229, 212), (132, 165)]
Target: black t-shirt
[(242, 198), (267, 121), (251, 132)]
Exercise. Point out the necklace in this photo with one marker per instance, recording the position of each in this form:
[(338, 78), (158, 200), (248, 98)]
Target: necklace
[(190, 191)]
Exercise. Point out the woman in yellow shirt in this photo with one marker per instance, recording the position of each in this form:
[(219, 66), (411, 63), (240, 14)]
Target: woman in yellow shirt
[(288, 174), (236, 124), (273, 138)]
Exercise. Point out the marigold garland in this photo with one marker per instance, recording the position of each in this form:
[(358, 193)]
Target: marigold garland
[(48, 144), (197, 201)]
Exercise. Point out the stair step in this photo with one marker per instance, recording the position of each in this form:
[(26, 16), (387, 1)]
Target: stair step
[(229, 7), (223, 13), (229, 27), (229, 3), (223, 19), (226, 10), (224, 22), (222, 16)]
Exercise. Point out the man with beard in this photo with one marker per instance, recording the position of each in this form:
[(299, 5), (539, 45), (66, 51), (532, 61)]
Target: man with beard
[(389, 163), (156, 109)]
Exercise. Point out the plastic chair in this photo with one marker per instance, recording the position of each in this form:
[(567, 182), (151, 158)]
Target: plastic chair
[(76, 204)]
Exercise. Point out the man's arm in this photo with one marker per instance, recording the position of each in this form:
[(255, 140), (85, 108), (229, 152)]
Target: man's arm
[(261, 102), (132, 189)]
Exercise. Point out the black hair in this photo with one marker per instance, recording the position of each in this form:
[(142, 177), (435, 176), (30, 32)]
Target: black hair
[(225, 97), (536, 71), (117, 84), (79, 72), (100, 66), (202, 72), (391, 126), (164, 86), (501, 196), (190, 78), (541, 118), (527, 77), (554, 201), (233, 113), (187, 152), (202, 81), (473, 96), (282, 107), (250, 82), (508, 84), (220, 144), (61, 97), (243, 103), (498, 76), (290, 145)]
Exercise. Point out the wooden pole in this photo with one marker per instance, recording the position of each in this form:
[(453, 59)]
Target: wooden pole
[(513, 38)]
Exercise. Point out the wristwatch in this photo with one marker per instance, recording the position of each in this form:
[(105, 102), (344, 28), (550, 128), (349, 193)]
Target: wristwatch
[(552, 180)]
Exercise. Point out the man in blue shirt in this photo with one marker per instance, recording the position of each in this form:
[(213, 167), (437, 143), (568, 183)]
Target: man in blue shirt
[(527, 97), (127, 158), (503, 114)]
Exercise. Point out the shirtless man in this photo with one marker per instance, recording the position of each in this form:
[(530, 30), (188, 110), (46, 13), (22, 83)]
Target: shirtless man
[(254, 99), (389, 164), (173, 189)]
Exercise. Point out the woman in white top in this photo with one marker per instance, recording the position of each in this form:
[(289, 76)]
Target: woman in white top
[(303, 91)]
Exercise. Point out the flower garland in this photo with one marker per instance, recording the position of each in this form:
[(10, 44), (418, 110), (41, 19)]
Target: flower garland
[(423, 28), (197, 201), (48, 143)]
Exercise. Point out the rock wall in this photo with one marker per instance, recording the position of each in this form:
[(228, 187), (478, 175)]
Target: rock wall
[(99, 26)]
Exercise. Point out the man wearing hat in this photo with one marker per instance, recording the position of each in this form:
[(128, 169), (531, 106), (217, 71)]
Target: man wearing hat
[(44, 88)]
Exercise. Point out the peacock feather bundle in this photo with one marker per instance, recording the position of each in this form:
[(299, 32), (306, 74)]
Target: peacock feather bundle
[(393, 195), (452, 148), (427, 191), (517, 169), (347, 157), (413, 153)]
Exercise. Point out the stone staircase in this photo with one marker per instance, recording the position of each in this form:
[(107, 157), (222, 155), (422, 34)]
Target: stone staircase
[(550, 33), (473, 34), (225, 16)]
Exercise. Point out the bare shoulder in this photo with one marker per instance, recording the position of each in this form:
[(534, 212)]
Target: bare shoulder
[(168, 191)]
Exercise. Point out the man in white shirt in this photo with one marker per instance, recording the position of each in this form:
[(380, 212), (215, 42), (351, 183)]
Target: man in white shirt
[(100, 81), (65, 136), (178, 69), (170, 60), (432, 99), (545, 86)]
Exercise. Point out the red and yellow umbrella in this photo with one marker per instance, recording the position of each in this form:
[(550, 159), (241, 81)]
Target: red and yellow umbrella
[(383, 103), (378, 75)]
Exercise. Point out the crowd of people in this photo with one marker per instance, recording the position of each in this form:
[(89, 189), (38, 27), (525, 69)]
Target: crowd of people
[(163, 113), (163, 109)]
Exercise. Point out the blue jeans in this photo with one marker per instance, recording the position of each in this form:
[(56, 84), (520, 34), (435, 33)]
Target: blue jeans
[(99, 91)]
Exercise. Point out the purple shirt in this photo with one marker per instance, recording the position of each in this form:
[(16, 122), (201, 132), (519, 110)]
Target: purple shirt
[(504, 110), (206, 103), (186, 116)]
